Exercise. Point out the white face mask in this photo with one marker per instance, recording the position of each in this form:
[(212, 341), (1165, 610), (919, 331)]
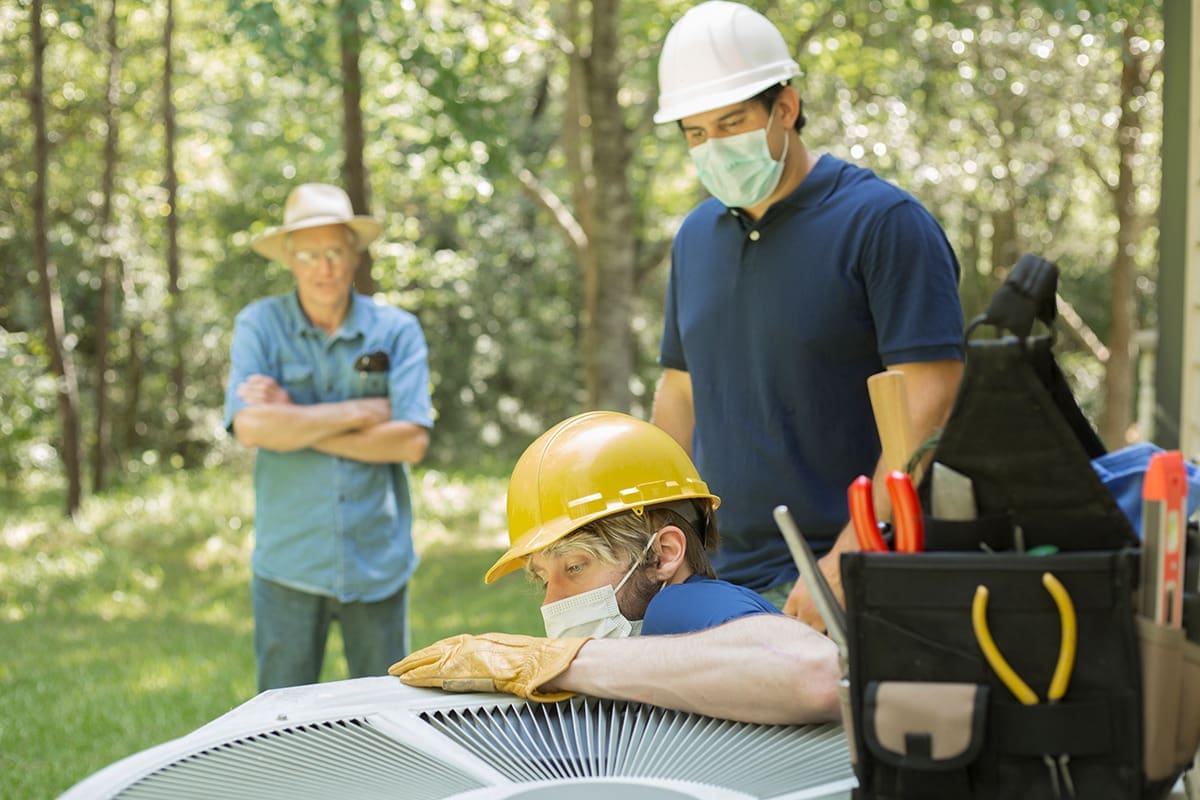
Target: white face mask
[(593, 613), (739, 170)]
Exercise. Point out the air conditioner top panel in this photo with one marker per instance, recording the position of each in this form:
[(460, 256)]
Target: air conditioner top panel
[(378, 738)]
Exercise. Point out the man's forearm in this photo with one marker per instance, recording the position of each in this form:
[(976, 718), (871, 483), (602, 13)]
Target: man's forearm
[(767, 669), (285, 427), (673, 410), (931, 389), (391, 442)]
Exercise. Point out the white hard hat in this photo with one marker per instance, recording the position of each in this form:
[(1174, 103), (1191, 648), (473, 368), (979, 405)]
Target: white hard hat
[(717, 54)]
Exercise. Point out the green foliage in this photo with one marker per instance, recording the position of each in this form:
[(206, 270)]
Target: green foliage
[(132, 625), (1001, 117), (26, 410)]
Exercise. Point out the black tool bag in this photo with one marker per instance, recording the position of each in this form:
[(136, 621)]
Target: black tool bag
[(929, 718)]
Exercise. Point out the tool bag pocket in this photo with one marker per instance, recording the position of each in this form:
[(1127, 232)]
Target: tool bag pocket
[(1171, 699), (931, 718), (934, 728)]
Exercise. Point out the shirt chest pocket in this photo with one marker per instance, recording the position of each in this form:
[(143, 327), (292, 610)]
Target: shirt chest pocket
[(299, 381), (372, 384)]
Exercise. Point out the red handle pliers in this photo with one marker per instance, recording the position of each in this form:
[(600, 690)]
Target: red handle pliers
[(906, 514)]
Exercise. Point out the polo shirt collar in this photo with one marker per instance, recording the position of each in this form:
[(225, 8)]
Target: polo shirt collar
[(817, 185)]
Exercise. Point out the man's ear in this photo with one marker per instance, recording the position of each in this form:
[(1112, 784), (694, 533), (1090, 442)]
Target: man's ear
[(671, 546), (789, 99)]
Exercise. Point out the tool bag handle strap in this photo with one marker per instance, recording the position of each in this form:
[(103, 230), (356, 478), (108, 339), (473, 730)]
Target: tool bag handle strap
[(1028, 293)]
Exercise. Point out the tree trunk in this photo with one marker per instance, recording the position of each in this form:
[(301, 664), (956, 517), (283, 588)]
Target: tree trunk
[(608, 339), (1006, 246), (175, 410), (596, 147), (134, 376), (354, 173), (1118, 379), (103, 435), (52, 311)]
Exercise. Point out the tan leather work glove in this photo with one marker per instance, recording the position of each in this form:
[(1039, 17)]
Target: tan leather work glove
[(491, 662)]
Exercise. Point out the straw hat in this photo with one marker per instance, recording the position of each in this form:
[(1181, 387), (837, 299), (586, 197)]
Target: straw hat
[(311, 205)]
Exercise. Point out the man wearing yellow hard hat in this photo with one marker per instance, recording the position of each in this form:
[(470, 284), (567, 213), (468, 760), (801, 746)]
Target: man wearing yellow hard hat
[(798, 279), (609, 515)]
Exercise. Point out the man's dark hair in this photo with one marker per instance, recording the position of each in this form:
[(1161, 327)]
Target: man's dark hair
[(768, 96)]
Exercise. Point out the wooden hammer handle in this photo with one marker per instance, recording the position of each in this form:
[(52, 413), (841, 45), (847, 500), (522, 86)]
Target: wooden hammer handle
[(889, 402)]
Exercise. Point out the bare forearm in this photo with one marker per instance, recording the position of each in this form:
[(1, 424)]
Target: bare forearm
[(390, 442), (285, 427), (931, 388), (766, 669), (673, 410)]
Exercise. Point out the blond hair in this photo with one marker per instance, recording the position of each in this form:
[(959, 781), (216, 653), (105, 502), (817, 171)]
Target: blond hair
[(621, 539)]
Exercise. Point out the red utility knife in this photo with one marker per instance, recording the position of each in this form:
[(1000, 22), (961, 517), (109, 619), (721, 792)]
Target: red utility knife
[(1164, 493)]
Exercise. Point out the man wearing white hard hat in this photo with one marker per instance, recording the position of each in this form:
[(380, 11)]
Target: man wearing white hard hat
[(799, 278), (332, 389)]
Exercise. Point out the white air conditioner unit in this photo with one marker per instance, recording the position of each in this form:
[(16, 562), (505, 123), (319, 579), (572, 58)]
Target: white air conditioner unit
[(377, 738)]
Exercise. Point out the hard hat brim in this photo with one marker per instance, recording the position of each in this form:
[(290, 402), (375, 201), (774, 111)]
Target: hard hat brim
[(698, 101)]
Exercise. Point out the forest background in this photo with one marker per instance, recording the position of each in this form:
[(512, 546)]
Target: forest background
[(528, 200), (528, 204)]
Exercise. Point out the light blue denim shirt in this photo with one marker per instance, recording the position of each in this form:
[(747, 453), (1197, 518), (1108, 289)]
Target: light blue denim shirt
[(324, 524)]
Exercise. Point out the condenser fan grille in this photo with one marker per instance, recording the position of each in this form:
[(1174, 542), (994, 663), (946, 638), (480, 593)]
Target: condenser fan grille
[(339, 758), (589, 738), (375, 738)]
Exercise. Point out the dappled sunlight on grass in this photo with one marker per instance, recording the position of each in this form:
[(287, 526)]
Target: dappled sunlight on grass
[(26, 583), (464, 511), (450, 597), (128, 548), (131, 625), (21, 534), (222, 552), (93, 691)]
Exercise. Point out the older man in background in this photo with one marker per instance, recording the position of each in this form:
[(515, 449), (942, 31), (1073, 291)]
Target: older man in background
[(333, 391)]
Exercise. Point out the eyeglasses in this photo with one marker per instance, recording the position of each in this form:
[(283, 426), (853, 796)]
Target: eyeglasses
[(337, 256)]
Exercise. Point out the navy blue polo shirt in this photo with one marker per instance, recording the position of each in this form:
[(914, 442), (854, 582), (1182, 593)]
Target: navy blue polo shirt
[(779, 324), (699, 603)]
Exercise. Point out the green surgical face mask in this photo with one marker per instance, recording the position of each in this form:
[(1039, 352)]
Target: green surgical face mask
[(738, 170)]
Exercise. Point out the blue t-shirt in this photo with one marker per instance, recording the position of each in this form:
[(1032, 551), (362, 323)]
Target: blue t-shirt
[(700, 603), (779, 324), (324, 524)]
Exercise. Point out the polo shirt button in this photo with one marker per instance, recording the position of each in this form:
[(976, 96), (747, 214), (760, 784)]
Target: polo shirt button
[(754, 236)]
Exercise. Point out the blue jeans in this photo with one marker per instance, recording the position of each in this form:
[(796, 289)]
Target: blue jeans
[(291, 627), (777, 595)]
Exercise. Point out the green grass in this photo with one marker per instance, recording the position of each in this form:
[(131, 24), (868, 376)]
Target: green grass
[(131, 625)]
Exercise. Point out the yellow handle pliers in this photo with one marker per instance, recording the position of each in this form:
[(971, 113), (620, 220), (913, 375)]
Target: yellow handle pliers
[(1062, 670)]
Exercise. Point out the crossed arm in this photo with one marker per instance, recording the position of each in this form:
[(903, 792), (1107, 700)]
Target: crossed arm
[(359, 429)]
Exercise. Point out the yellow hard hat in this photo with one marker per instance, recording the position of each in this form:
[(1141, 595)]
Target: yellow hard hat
[(588, 467)]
